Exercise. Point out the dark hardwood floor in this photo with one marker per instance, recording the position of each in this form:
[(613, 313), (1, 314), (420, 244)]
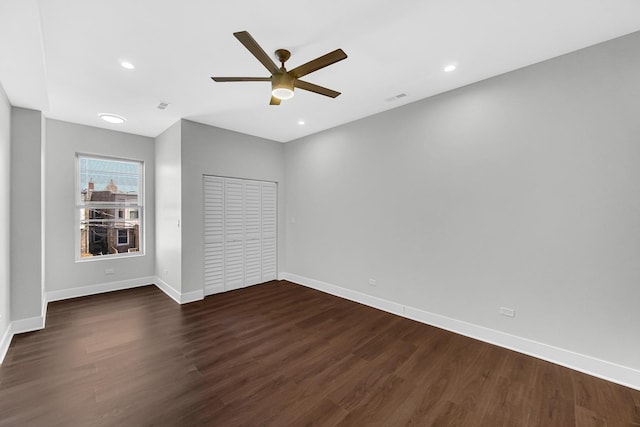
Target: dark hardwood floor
[(280, 354)]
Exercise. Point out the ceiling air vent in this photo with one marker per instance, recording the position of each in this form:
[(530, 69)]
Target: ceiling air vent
[(398, 96), (163, 105)]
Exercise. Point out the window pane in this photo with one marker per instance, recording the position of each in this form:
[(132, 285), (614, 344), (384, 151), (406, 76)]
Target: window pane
[(102, 234), (109, 181)]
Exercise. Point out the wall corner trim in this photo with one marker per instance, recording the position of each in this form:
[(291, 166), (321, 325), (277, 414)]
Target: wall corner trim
[(178, 297), (6, 341), (30, 324), (623, 375), (167, 289), (20, 326)]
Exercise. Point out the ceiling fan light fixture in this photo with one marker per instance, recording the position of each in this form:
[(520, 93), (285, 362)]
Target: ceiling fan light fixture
[(282, 93), (282, 86)]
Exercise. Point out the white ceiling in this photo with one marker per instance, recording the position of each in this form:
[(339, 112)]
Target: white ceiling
[(62, 56)]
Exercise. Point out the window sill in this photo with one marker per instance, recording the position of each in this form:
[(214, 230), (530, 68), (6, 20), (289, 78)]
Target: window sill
[(110, 256)]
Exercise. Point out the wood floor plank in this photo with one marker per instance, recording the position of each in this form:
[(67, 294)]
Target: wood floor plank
[(555, 395), (280, 354), (323, 413)]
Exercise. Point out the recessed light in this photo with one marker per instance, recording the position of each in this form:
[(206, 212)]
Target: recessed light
[(128, 65), (112, 118), (450, 68), (300, 122)]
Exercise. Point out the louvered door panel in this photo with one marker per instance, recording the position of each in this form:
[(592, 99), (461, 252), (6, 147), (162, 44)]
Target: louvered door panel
[(213, 234), (234, 234), (269, 231), (253, 232)]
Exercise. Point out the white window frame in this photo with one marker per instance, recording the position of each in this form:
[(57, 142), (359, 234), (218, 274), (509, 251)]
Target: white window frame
[(79, 205)]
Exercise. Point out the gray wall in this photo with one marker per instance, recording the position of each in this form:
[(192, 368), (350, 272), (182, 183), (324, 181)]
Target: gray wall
[(520, 191), (212, 151), (169, 206), (5, 196), (26, 206), (64, 140)]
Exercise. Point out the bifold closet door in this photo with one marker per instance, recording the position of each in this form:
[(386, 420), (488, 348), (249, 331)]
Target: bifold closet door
[(213, 203), (240, 225)]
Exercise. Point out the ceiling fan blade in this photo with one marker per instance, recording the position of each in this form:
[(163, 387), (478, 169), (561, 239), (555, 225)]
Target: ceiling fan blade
[(241, 79), (245, 38), (316, 64), (317, 89), (274, 101)]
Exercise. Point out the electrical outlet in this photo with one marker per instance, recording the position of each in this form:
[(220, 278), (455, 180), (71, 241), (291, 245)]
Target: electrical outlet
[(372, 282), (109, 271), (509, 312)]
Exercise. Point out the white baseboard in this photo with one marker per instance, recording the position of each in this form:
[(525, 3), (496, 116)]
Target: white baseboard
[(31, 324), (20, 326), (167, 289), (99, 288), (177, 296), (27, 325), (6, 342), (125, 284), (362, 298), (609, 371)]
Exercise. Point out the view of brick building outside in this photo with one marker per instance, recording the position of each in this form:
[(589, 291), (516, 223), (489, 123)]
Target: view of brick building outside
[(108, 230)]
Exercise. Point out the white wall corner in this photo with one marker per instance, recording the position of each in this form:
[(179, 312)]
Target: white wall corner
[(21, 326), (167, 289), (609, 371), (178, 297), (27, 325), (43, 311), (6, 342)]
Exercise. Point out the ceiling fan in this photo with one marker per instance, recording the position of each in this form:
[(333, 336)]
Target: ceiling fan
[(282, 81)]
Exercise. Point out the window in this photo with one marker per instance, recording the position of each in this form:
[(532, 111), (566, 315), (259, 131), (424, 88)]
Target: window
[(123, 236), (109, 206)]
